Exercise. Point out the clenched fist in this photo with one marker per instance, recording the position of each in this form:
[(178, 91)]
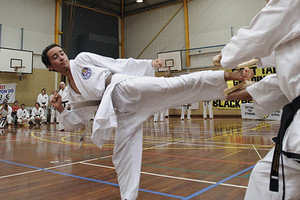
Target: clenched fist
[(56, 102)]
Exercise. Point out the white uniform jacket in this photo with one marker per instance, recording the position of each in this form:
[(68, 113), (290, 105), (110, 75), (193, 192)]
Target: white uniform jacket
[(43, 99), (5, 113), (275, 29), (89, 72), (64, 94), (37, 112), (22, 114)]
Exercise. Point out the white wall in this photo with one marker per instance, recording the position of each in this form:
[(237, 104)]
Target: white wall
[(37, 17), (140, 29), (210, 23)]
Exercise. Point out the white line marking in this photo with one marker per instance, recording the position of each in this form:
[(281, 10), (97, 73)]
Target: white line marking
[(257, 152), (173, 177), (54, 167)]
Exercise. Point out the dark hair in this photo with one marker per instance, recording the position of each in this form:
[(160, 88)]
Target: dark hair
[(22, 104), (37, 104), (45, 58)]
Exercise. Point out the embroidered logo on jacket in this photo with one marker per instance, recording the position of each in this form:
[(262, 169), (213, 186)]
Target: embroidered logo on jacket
[(86, 72)]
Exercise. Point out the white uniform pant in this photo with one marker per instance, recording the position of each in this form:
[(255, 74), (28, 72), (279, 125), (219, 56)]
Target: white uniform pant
[(161, 115), (43, 119), (60, 125), (258, 187), (136, 99), (45, 112), (53, 114), (20, 121), (8, 119), (207, 105), (183, 109)]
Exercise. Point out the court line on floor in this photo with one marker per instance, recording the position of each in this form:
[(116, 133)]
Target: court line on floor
[(88, 179), (54, 167), (172, 177), (194, 158), (157, 147), (214, 146), (109, 159), (218, 183)]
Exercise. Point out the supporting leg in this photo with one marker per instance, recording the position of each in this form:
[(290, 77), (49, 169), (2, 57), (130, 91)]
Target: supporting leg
[(128, 155)]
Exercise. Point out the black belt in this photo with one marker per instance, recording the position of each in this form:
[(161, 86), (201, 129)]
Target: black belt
[(64, 103), (287, 117)]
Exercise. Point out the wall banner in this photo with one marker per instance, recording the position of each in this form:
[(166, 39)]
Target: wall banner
[(259, 74), (8, 92), (248, 112)]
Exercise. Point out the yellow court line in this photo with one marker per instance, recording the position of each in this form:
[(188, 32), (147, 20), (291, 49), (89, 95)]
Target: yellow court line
[(170, 140), (36, 137), (229, 155)]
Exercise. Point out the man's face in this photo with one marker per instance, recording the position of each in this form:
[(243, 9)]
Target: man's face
[(58, 59), (62, 85), (23, 107), (37, 106)]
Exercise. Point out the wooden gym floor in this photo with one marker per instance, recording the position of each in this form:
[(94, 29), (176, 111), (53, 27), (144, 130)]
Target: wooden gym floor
[(190, 159)]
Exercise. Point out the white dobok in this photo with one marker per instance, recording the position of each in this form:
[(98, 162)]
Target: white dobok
[(22, 114), (132, 96), (274, 36)]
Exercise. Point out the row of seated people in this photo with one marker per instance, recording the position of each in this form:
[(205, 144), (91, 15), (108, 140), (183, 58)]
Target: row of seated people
[(21, 115)]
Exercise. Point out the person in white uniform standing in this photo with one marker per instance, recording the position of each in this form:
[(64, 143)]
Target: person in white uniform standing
[(43, 100), (207, 105), (63, 92), (186, 107), (129, 96), (273, 34), (23, 115), (160, 114), (37, 114), (53, 111)]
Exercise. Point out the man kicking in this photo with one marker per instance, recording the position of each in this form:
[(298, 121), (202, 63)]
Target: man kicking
[(124, 94)]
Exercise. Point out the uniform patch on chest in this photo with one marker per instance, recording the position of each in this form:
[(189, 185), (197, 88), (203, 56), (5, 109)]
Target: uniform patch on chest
[(86, 72)]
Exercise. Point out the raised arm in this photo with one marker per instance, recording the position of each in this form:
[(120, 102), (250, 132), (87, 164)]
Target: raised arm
[(136, 67), (262, 36)]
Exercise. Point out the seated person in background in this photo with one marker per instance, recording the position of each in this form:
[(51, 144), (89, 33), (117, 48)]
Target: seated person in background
[(37, 115), (5, 114), (23, 116), (15, 109)]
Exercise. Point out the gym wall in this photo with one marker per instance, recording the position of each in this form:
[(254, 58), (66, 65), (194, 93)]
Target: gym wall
[(37, 18)]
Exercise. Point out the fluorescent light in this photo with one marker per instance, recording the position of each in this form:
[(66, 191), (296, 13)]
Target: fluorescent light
[(139, 1)]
